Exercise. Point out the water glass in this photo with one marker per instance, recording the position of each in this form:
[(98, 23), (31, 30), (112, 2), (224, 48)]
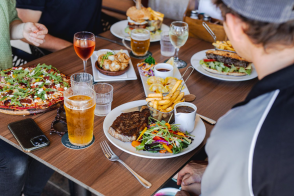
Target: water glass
[(104, 97), (81, 79), (167, 49)]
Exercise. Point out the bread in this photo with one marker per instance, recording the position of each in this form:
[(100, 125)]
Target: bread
[(140, 15), (223, 73)]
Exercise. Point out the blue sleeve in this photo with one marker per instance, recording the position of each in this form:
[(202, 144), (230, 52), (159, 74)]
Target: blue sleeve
[(37, 5)]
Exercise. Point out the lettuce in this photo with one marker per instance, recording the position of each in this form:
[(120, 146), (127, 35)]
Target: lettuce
[(222, 68)]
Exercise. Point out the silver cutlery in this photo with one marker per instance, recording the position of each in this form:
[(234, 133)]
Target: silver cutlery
[(209, 120), (113, 157), (110, 40)]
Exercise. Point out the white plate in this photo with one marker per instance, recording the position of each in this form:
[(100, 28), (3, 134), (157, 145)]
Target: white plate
[(201, 55), (177, 74), (99, 77), (199, 133), (167, 191), (118, 30)]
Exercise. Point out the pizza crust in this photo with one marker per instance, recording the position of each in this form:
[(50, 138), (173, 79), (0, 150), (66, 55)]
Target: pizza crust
[(223, 73), (29, 111)]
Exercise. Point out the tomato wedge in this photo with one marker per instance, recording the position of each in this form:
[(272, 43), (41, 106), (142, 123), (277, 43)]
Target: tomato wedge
[(209, 60), (158, 138)]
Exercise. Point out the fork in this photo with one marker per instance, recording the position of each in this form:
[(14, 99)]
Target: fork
[(113, 157)]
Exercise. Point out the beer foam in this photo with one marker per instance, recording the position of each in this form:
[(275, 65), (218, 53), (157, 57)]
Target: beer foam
[(140, 37)]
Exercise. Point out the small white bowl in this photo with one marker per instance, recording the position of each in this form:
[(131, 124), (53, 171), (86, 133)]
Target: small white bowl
[(163, 74)]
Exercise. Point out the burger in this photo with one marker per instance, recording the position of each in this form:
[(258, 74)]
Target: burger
[(144, 18), (226, 63)]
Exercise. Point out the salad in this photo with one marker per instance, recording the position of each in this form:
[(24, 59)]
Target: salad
[(162, 137), (146, 66)]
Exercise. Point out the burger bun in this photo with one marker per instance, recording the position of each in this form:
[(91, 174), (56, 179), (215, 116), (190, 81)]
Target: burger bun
[(140, 15)]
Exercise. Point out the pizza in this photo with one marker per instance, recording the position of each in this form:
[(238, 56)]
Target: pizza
[(29, 90)]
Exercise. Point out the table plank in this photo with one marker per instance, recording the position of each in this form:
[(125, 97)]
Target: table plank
[(89, 167)]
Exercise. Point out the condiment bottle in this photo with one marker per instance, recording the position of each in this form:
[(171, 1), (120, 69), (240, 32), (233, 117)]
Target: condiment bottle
[(206, 18), (194, 14)]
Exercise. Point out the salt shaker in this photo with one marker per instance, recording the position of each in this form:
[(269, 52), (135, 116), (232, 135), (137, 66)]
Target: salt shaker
[(194, 14)]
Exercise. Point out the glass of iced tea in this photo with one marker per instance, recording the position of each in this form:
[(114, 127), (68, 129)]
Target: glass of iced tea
[(79, 104), (140, 42), (84, 44)]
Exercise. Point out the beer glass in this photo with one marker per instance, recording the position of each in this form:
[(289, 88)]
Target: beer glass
[(140, 42), (79, 105)]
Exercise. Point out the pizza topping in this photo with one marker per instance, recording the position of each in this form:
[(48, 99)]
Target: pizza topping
[(40, 84)]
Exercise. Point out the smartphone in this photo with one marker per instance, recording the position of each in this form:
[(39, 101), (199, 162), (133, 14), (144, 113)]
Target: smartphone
[(28, 134)]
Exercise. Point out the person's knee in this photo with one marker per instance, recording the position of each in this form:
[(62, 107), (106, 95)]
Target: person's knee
[(12, 160)]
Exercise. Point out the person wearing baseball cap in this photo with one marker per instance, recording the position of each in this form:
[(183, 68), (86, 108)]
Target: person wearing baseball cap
[(251, 149)]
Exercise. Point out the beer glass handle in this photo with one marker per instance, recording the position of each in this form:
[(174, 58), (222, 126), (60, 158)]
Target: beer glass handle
[(123, 41)]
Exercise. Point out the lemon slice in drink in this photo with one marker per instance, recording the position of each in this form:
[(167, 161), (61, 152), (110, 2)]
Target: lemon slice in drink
[(170, 61)]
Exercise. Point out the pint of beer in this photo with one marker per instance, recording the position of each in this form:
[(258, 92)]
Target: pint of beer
[(140, 41), (79, 104)]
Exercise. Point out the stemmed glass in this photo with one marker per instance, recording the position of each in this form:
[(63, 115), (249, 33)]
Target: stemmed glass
[(178, 34), (84, 44)]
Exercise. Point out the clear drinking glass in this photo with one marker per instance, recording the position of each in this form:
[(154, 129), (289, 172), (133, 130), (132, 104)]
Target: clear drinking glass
[(167, 49), (82, 79), (84, 45), (178, 33), (104, 97), (79, 105)]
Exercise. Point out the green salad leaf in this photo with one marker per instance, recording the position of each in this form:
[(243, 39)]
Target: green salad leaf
[(150, 60), (105, 56)]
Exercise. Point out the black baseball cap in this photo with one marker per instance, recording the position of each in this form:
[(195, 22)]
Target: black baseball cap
[(273, 11)]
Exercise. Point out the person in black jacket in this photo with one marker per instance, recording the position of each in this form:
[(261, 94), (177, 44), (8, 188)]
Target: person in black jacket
[(251, 149), (63, 18)]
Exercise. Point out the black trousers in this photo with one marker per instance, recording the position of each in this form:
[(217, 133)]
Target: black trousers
[(19, 171)]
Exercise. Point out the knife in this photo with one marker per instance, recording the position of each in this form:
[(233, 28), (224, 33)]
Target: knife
[(110, 40), (134, 109), (138, 108)]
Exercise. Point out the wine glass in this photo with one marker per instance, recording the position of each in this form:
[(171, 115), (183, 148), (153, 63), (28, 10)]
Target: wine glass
[(178, 34), (84, 44)]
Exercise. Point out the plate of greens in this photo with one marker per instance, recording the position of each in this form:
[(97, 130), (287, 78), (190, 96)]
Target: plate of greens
[(159, 140)]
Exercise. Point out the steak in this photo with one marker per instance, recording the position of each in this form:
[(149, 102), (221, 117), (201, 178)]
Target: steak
[(227, 58), (127, 126)]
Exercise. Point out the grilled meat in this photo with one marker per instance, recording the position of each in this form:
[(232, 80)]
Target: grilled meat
[(227, 58), (127, 126)]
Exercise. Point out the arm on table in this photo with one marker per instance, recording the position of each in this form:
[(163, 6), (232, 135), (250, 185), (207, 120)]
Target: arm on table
[(33, 32), (52, 43)]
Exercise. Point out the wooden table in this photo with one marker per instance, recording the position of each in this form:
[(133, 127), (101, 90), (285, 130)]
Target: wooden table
[(89, 167)]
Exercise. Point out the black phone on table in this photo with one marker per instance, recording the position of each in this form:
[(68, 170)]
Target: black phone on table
[(28, 134)]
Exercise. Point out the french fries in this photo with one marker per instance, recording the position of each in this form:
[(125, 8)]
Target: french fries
[(165, 103), (223, 45)]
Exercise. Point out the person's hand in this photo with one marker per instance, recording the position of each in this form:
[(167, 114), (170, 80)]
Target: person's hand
[(182, 193), (34, 33), (191, 173), (192, 189)]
